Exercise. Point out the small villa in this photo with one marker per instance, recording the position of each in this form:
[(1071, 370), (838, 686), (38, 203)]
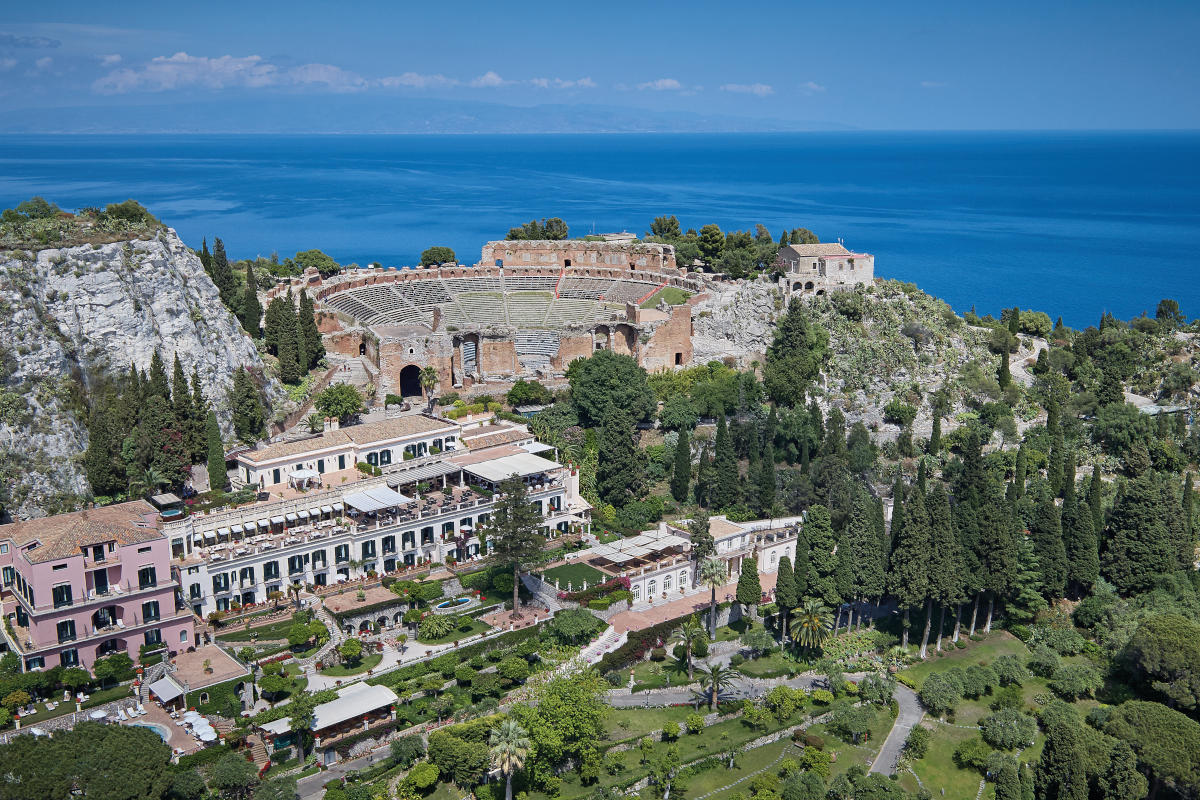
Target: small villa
[(357, 707)]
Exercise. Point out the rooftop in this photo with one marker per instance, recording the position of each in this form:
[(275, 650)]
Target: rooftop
[(821, 249), (365, 434), (352, 701), (189, 667), (64, 535)]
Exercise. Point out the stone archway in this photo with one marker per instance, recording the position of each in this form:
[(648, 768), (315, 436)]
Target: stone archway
[(410, 381)]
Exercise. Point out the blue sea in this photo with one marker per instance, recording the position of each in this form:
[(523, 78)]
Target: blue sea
[(1070, 223)]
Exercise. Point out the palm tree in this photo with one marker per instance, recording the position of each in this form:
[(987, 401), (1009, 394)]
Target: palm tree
[(294, 590), (147, 482), (811, 624), (687, 635), (510, 746), (715, 679), (712, 574), (429, 381)]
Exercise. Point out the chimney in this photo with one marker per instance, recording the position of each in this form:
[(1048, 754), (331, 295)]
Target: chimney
[(333, 423)]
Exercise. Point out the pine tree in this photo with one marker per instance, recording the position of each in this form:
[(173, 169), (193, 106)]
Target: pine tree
[(247, 407), (205, 257), (314, 347), (158, 379), (946, 566), (908, 578), (1061, 773), (1008, 781), (1122, 780), (785, 594), (822, 564), (681, 474), (1046, 532), (217, 477), (1003, 374), (725, 492), (749, 587), (252, 310), (620, 473), (222, 274)]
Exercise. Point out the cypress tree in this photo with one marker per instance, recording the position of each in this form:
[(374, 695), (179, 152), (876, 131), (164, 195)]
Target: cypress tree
[(800, 566), (1189, 498), (835, 434), (159, 385), (681, 474), (222, 274), (206, 257), (1027, 788), (1019, 472), (181, 398), (273, 323), (822, 564), (1057, 464), (785, 594), (784, 241), (620, 472), (945, 567), (1008, 781), (1061, 773), (314, 347), (197, 443), (908, 578), (252, 310), (1014, 321), (765, 489), (897, 513), (996, 558), (99, 460), (1048, 544), (935, 438), (749, 588), (725, 492), (1003, 374), (217, 477), (843, 579), (861, 545), (1122, 780), (702, 491), (1138, 546), (920, 482), (247, 407), (293, 365), (1095, 501), (1079, 540)]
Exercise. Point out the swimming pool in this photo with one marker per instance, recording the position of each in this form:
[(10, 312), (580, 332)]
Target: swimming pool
[(161, 730)]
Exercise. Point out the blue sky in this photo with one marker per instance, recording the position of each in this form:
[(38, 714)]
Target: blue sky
[(871, 65)]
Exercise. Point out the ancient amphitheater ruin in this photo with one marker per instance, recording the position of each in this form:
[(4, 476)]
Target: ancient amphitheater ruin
[(527, 309)]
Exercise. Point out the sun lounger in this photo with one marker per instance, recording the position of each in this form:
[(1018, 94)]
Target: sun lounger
[(121, 714), (141, 709)]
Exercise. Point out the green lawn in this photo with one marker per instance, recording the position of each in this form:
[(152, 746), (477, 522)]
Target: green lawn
[(365, 663), (769, 666), (747, 763), (937, 768), (628, 723), (998, 643), (96, 698), (575, 574), (274, 630), (672, 294), (458, 635), (668, 675)]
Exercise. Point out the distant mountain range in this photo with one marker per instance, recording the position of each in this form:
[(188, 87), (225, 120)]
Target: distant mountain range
[(361, 114)]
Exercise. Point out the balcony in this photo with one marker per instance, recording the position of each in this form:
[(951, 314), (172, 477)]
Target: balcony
[(26, 645)]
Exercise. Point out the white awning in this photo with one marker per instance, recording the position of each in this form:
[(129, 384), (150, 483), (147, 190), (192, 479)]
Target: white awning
[(535, 447), (238, 529), (290, 517), (222, 531), (210, 535), (338, 507), (352, 702), (327, 509), (316, 512), (197, 538), (265, 523), (302, 513), (277, 520), (522, 465), (375, 499), (165, 689), (303, 474)]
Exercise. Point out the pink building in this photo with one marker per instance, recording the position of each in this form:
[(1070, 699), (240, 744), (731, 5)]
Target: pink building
[(84, 585)]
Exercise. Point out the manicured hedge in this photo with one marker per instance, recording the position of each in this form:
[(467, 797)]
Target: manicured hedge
[(640, 643), (460, 655)]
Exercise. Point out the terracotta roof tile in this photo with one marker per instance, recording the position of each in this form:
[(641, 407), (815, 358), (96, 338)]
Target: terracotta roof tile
[(64, 535)]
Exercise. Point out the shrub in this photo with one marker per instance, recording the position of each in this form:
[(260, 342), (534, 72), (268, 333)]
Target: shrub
[(822, 696), (1009, 671), (899, 413), (658, 654), (1072, 681), (917, 743), (1007, 697), (941, 693), (1044, 661), (1064, 641), (423, 777), (513, 668), (464, 674), (736, 660), (1008, 729), (972, 754), (694, 723), (978, 681)]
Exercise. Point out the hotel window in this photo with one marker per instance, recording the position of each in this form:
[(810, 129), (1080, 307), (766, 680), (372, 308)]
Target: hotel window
[(270, 570), (666, 583), (221, 583), (341, 462), (373, 459), (385, 457), (183, 635), (389, 544), (37, 662), (653, 587), (319, 557), (154, 637), (427, 535), (683, 579), (341, 553), (62, 595), (66, 630), (10, 575), (447, 529), (150, 611), (147, 578), (194, 591), (69, 658), (295, 564), (368, 550), (320, 466), (637, 591)]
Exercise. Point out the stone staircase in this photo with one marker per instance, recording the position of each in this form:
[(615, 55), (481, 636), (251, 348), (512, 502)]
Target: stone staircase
[(336, 637), (258, 750), (544, 593)]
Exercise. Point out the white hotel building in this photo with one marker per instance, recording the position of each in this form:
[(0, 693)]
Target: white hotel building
[(421, 510)]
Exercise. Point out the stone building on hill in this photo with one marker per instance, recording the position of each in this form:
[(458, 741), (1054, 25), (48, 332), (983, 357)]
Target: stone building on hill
[(813, 269)]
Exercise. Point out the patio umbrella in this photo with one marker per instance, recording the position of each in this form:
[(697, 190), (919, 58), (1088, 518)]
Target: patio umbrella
[(192, 716), (208, 735), (38, 732), (99, 714)]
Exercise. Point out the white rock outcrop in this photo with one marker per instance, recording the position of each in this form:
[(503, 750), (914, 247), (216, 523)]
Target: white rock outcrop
[(69, 318)]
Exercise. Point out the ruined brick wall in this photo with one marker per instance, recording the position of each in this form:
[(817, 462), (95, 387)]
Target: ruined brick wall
[(421, 350), (670, 343), (569, 349), (578, 253), (497, 357)]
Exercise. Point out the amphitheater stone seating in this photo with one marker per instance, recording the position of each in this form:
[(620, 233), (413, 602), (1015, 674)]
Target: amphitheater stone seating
[(629, 291), (479, 308), (539, 343), (566, 311), (423, 294), (585, 288), (529, 283), (528, 309), (475, 283)]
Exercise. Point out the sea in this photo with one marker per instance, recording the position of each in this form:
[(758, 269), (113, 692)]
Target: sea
[(1073, 224)]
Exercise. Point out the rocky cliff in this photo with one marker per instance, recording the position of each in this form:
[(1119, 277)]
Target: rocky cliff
[(68, 318)]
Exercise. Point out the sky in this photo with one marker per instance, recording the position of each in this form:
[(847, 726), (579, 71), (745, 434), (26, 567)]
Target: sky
[(87, 66)]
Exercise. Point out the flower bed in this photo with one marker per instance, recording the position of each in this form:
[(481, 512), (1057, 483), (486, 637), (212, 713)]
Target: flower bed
[(595, 592)]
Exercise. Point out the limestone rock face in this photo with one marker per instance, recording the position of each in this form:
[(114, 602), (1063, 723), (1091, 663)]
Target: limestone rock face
[(735, 321), (71, 317)]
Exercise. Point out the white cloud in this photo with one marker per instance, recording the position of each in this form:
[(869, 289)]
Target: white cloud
[(12, 40), (811, 87), (759, 89), (487, 80), (559, 83), (181, 70), (661, 85), (932, 84), (415, 80), (110, 60), (43, 64), (7, 63)]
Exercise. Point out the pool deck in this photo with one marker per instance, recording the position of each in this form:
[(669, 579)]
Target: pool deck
[(179, 740)]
